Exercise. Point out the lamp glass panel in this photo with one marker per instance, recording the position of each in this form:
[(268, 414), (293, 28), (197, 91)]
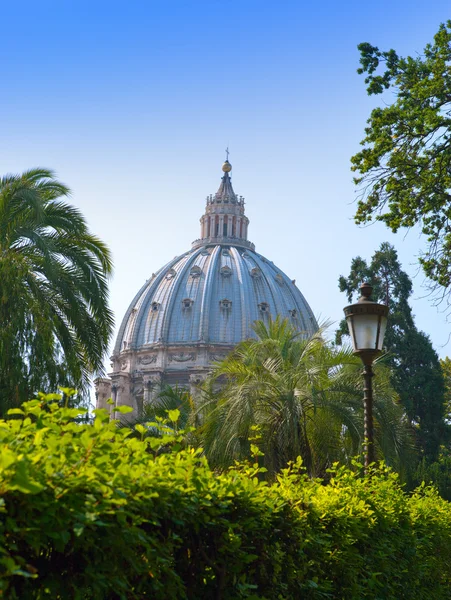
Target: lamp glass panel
[(380, 341), (349, 320), (365, 327)]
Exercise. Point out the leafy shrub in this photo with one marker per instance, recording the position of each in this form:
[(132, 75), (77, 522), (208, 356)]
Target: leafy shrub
[(90, 511)]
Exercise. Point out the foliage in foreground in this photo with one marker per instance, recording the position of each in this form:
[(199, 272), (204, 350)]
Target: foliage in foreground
[(90, 511)]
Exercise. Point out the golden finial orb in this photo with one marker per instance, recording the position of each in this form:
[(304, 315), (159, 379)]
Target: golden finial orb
[(226, 167)]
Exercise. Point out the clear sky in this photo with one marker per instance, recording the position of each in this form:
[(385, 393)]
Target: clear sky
[(133, 104)]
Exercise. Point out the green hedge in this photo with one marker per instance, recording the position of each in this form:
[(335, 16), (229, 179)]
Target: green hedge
[(91, 511)]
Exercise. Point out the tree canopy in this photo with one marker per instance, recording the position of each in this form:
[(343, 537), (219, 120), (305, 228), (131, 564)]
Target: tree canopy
[(296, 397), (403, 170), (55, 322)]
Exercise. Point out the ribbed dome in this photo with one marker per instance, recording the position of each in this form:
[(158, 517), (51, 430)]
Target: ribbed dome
[(212, 294), (195, 309)]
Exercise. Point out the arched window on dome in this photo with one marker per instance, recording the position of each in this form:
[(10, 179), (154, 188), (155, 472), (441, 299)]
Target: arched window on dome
[(293, 313), (225, 304), (155, 306), (226, 271), (195, 271), (187, 303), (264, 307)]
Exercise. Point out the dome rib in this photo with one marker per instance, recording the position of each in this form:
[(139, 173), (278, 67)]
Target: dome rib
[(244, 292), (205, 321), (138, 337), (204, 329), (170, 318)]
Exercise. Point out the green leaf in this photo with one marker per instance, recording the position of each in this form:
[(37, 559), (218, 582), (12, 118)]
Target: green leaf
[(124, 409), (15, 411), (174, 415)]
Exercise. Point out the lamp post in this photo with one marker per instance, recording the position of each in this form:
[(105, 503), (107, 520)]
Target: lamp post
[(367, 321)]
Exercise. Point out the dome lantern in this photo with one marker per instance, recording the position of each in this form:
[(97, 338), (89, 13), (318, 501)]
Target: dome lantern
[(224, 219)]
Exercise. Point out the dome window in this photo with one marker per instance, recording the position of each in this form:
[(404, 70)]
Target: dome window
[(195, 271), (256, 273), (155, 306), (293, 313), (279, 279), (171, 274), (263, 307), (226, 271), (225, 304), (187, 303)]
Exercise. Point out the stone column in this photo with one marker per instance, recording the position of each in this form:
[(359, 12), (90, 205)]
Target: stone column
[(229, 225), (221, 226), (152, 387), (146, 389), (245, 229), (195, 381), (212, 225), (115, 393), (138, 398), (238, 227), (103, 391)]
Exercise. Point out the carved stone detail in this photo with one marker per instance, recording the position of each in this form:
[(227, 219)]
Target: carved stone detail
[(182, 357), (196, 378), (218, 357), (147, 360), (138, 390), (153, 379)]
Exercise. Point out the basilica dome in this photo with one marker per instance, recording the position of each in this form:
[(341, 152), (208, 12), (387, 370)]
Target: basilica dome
[(197, 307)]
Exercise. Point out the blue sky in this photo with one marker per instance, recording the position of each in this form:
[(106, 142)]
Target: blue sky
[(133, 104)]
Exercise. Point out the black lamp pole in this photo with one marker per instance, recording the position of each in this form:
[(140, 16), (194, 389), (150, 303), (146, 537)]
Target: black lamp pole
[(367, 321), (368, 425)]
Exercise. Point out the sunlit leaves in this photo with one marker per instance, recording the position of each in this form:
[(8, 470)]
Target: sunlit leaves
[(403, 170), (92, 511)]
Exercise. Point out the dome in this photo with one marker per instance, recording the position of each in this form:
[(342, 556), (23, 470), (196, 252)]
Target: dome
[(213, 295), (196, 308)]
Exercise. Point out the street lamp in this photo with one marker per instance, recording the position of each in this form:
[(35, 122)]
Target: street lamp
[(367, 321)]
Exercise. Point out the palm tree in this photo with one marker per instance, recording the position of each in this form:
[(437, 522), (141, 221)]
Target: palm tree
[(55, 323), (303, 396)]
